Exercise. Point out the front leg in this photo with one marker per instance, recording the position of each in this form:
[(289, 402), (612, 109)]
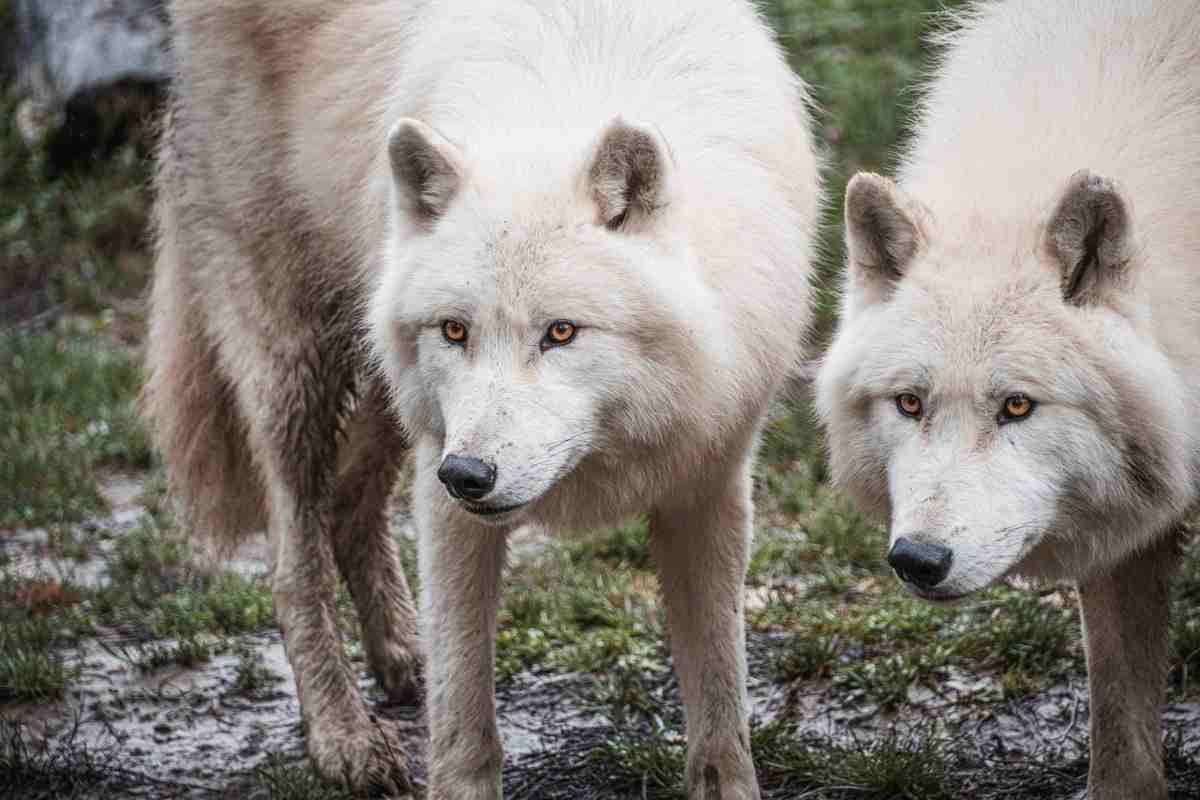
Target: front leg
[(1125, 615), (460, 565), (700, 545), (293, 404), (367, 555)]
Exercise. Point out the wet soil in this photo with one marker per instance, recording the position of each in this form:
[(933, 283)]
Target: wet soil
[(191, 733)]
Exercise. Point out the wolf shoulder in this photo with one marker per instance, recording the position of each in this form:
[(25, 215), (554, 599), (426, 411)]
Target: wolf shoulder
[(328, 80)]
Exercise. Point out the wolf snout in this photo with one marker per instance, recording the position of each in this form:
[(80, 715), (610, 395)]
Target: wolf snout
[(923, 565), (467, 478)]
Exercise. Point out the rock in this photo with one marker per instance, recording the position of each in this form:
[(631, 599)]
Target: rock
[(68, 48)]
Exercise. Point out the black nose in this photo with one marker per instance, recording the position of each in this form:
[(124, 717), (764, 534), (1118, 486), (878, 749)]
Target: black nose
[(923, 565), (467, 478)]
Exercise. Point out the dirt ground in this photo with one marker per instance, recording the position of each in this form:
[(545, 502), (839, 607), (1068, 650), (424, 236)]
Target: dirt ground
[(123, 731)]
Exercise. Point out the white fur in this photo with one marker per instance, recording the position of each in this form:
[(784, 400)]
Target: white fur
[(1041, 239), (689, 314), (1029, 93), (339, 180)]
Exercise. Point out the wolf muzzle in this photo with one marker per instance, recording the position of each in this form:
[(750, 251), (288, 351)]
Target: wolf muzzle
[(467, 478), (922, 565)]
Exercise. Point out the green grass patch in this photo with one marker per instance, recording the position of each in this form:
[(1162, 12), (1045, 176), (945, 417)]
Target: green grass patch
[(252, 674), (789, 765), (626, 546), (879, 646), (154, 589), (188, 651), (589, 605), (279, 778), (892, 767), (829, 539), (38, 616), (1185, 622), (66, 409), (863, 61), (31, 666), (649, 767)]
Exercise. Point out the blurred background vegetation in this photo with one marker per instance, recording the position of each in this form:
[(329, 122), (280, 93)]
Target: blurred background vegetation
[(826, 619)]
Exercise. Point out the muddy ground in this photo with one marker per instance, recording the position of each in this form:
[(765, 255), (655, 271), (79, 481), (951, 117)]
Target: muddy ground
[(124, 731)]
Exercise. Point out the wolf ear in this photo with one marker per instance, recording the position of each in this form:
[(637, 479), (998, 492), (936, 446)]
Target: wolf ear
[(1088, 235), (628, 175), (427, 170), (883, 234)]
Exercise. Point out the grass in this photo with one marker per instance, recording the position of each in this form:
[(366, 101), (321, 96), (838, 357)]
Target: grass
[(876, 643), (252, 674), (280, 778), (37, 616), (66, 411), (180, 614), (63, 771), (584, 606), (892, 767), (650, 765), (31, 668), (862, 60), (74, 237), (155, 590), (1185, 623)]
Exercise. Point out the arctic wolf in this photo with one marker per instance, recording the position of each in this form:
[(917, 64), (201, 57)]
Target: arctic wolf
[(1015, 383), (560, 249)]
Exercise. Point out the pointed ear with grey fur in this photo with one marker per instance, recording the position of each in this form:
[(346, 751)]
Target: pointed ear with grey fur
[(628, 175), (1088, 235), (427, 170), (883, 234)]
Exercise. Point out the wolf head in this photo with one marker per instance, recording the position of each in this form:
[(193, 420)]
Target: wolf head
[(998, 396), (535, 306)]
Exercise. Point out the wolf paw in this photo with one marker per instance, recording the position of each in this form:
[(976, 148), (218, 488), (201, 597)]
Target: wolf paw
[(396, 666), (365, 754), (708, 781)]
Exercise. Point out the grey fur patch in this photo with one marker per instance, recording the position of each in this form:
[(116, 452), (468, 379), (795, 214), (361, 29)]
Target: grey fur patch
[(425, 178), (1088, 234), (628, 175), (1145, 469), (712, 783), (881, 235)]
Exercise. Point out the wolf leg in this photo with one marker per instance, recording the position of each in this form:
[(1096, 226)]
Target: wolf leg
[(460, 564), (700, 546), (1125, 625), (293, 399), (365, 551)]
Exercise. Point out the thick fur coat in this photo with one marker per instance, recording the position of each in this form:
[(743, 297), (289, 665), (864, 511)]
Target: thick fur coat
[(1015, 382), (559, 248)]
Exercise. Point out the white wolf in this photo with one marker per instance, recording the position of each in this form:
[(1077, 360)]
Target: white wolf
[(565, 243), (1015, 382)]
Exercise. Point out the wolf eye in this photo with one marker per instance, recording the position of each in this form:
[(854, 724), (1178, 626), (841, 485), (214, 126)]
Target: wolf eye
[(454, 331), (909, 405), (558, 334), (1016, 406)]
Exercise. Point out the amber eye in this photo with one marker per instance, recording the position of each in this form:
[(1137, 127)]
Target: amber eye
[(1016, 406), (909, 405), (454, 331), (559, 333)]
